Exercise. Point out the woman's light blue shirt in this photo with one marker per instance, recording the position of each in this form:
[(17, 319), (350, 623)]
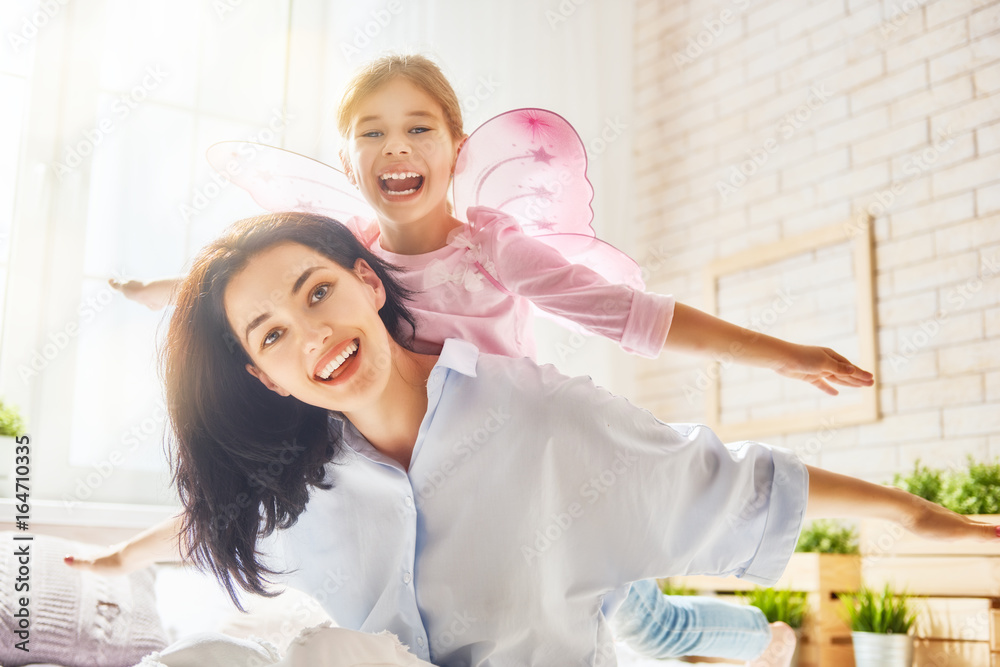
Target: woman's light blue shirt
[(530, 497)]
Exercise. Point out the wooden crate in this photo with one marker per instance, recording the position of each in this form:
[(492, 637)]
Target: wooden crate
[(959, 588), (826, 639), (943, 653)]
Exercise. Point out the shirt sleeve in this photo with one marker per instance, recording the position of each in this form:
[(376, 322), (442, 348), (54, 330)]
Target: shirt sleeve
[(525, 266), (658, 499)]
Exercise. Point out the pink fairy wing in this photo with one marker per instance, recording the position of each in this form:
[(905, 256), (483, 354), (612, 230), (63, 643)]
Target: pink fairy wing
[(602, 258), (281, 180), (532, 165)]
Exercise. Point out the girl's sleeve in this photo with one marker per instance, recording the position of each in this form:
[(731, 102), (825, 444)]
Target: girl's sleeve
[(526, 266)]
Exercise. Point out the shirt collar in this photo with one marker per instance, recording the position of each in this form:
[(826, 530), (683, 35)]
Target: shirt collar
[(457, 355)]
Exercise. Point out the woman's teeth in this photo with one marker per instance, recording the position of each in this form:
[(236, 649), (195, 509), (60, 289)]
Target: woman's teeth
[(338, 360)]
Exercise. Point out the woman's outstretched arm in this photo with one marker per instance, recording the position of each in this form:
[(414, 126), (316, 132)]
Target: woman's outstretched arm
[(154, 294), (156, 544), (832, 495)]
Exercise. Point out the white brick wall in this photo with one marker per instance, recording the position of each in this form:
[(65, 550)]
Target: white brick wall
[(909, 131)]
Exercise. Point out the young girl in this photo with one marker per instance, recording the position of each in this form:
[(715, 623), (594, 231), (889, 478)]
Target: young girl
[(478, 506), (403, 130)]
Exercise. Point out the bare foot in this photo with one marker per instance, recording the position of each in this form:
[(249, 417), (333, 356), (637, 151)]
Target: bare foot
[(781, 649), (154, 294)]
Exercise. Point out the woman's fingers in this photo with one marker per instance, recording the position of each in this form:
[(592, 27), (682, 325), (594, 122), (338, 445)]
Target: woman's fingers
[(108, 563)]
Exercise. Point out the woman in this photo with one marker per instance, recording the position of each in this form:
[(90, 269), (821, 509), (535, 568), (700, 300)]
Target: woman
[(469, 503)]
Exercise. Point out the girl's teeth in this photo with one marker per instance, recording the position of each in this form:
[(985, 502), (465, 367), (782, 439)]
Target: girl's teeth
[(402, 192), (338, 360)]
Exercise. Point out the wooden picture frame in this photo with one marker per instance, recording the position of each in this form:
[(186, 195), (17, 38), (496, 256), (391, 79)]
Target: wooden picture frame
[(859, 234)]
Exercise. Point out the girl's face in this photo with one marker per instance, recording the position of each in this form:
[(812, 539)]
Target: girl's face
[(311, 327), (400, 153)]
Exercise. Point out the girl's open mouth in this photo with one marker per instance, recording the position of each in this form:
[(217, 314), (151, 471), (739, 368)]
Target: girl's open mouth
[(400, 183), (341, 365)]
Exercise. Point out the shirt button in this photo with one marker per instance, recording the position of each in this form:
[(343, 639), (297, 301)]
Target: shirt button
[(407, 578), (420, 641), (408, 501)]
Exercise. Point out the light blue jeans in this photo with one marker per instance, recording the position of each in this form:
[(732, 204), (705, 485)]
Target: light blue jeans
[(671, 626)]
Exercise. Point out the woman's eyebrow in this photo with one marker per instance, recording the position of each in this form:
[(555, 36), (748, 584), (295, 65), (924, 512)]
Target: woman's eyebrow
[(299, 282), (254, 323), (302, 279)]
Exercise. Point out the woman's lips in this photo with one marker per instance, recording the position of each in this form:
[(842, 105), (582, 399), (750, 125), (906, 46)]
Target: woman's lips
[(333, 362)]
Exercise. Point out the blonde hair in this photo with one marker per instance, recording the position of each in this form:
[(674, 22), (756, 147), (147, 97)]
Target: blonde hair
[(418, 70)]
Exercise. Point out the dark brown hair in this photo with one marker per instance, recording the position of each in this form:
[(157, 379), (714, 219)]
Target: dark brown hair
[(245, 456)]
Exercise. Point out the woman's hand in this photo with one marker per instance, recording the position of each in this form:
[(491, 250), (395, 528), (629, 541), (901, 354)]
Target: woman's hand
[(836, 496), (819, 366), (935, 522), (111, 561), (154, 294), (155, 544)]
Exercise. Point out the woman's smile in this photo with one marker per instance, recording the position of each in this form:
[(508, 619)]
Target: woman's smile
[(311, 331), (338, 364)]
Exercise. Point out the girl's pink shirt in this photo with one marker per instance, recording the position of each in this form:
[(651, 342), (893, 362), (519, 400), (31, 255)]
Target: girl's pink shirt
[(480, 288)]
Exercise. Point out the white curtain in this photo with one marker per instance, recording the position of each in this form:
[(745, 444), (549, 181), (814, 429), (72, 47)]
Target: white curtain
[(108, 108)]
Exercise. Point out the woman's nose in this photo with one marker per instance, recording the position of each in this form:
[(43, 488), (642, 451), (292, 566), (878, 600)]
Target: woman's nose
[(315, 335)]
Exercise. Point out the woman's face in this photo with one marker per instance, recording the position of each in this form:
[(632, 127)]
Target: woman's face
[(311, 327), (401, 153)]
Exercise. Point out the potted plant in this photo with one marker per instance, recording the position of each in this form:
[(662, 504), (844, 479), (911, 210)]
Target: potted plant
[(782, 605), (11, 426), (880, 624), (11, 423), (828, 536), (975, 490), (668, 587)]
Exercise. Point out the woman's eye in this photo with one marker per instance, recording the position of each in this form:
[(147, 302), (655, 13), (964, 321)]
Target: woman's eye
[(320, 292), (270, 338)]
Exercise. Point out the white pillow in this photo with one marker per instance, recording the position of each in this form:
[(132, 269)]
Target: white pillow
[(191, 601), (75, 619), (322, 646)]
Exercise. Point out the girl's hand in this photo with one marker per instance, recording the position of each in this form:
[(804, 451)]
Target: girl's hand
[(819, 366)]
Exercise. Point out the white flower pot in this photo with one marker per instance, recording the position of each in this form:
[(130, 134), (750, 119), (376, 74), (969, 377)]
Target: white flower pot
[(872, 649)]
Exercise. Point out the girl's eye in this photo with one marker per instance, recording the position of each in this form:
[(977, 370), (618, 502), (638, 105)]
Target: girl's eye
[(371, 133), (270, 338), (419, 130), (320, 292)]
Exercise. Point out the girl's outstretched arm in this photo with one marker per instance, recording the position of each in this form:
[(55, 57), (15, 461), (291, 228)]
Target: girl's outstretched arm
[(695, 331), (156, 544), (154, 294), (832, 495)]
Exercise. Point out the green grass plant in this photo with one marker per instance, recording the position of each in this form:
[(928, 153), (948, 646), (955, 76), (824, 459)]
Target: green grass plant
[(827, 536), (779, 604), (667, 587), (883, 613), (11, 422), (975, 490)]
